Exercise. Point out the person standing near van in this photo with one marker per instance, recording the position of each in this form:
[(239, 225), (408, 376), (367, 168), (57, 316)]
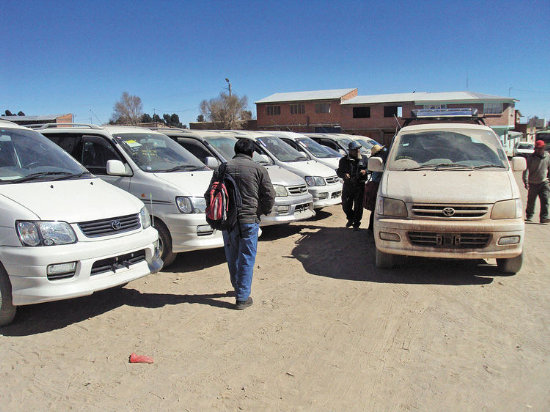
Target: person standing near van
[(535, 179), (353, 169), (370, 203), (241, 242)]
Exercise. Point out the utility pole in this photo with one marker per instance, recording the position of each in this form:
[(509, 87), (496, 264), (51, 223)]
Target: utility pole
[(227, 80)]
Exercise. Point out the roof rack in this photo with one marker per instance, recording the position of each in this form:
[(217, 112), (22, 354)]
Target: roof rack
[(56, 125), (464, 115)]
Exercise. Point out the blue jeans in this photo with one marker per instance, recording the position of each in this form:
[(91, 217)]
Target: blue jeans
[(240, 252)]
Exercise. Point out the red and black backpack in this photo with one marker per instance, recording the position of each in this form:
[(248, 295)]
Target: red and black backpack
[(223, 200)]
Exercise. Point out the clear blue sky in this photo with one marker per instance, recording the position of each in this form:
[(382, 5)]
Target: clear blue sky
[(79, 56)]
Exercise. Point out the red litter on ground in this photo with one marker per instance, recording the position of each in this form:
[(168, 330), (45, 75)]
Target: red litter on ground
[(140, 359)]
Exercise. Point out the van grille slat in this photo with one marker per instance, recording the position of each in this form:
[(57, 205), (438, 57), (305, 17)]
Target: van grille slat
[(110, 226), (331, 180), (458, 211), (450, 240), (297, 190), (117, 262)]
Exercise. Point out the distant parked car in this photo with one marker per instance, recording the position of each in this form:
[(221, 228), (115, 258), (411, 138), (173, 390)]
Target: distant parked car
[(334, 141), (524, 149)]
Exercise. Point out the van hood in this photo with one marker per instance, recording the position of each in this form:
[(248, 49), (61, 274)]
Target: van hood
[(310, 168), (280, 176), (332, 162), (481, 186), (73, 201), (188, 183)]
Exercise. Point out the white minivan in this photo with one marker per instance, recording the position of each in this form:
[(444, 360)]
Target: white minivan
[(63, 232), (323, 183), (169, 179), (448, 191)]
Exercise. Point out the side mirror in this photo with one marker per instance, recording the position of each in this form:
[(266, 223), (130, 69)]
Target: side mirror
[(376, 164), (211, 162), (342, 152), (519, 164), (116, 168), (264, 158)]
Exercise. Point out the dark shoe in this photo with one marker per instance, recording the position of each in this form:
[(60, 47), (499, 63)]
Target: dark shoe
[(355, 228), (545, 221), (349, 223), (529, 219), (243, 304)]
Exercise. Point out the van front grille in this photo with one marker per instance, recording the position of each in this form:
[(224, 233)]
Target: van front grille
[(111, 226), (332, 179), (450, 211), (297, 190), (450, 240), (117, 262)]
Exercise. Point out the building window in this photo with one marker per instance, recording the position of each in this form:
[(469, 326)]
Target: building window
[(492, 108), (391, 111), (322, 108), (361, 112), (273, 110), (297, 109)]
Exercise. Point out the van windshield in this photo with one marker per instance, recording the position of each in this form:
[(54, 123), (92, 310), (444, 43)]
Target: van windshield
[(280, 149), (447, 149), (154, 152), (226, 147), (26, 155), (316, 149)]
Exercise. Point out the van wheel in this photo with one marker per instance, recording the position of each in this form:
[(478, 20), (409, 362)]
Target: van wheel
[(7, 310), (165, 244), (384, 260), (510, 266)]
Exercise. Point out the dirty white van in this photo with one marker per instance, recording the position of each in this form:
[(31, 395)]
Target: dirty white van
[(313, 150), (448, 191), (323, 183), (63, 232), (292, 201), (170, 180)]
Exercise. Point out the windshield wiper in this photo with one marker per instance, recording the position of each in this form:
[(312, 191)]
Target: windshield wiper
[(440, 166), (35, 176), (181, 167), (487, 166)]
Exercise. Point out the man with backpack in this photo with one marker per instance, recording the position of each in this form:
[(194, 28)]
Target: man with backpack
[(252, 196)]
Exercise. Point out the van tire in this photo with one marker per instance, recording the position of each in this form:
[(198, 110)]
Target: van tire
[(384, 260), (165, 241), (510, 266), (7, 310)]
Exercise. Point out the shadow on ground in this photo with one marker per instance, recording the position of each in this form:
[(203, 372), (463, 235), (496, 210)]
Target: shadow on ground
[(45, 317), (342, 253), (196, 260)]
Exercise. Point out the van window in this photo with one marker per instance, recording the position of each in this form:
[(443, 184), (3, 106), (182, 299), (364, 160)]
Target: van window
[(26, 155), (318, 150), (154, 152), (196, 148), (468, 148), (280, 149), (95, 153)]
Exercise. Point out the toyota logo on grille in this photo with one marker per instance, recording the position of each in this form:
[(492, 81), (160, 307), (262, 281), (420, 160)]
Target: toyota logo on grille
[(448, 211), (115, 224)]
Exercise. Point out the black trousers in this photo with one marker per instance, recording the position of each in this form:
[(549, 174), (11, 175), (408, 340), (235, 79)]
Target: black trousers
[(352, 201)]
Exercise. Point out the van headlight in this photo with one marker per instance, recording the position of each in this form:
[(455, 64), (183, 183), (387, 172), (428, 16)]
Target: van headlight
[(391, 207), (145, 218), (43, 233), (188, 204), (507, 209), (280, 191), (315, 181)]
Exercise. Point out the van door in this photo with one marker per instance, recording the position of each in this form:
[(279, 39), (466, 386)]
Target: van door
[(94, 152)]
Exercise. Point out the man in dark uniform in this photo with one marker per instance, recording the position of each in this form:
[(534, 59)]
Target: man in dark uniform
[(353, 169)]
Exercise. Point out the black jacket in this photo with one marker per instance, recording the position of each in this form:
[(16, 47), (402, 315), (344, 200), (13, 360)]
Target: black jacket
[(352, 166), (258, 194)]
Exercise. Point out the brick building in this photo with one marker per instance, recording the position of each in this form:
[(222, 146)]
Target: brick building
[(376, 116)]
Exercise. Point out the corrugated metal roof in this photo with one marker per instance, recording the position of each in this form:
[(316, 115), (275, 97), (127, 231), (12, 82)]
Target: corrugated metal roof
[(428, 97), (33, 118), (305, 96)]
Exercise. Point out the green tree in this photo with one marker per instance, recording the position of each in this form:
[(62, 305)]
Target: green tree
[(146, 118), (200, 118)]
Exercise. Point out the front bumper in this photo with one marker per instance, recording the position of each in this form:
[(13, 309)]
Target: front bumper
[(289, 209), (328, 195), (27, 267), (191, 232), (445, 239)]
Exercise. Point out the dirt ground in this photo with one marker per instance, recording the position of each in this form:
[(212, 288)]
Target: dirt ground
[(327, 332)]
